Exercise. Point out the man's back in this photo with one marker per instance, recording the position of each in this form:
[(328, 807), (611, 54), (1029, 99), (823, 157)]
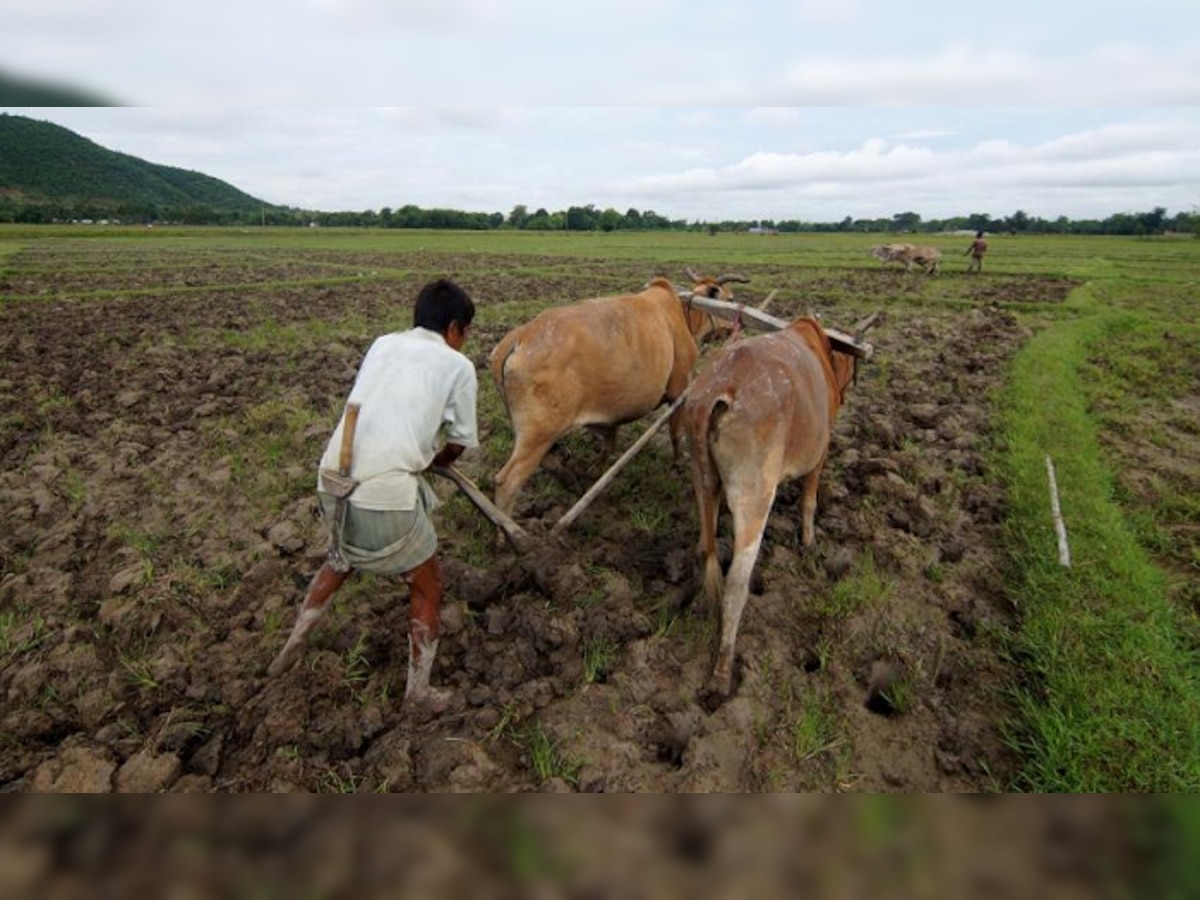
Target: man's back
[(410, 385)]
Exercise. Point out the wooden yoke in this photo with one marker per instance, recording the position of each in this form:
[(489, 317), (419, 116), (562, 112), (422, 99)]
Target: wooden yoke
[(853, 344)]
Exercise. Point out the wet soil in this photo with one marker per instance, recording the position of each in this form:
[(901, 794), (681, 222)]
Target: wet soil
[(146, 585)]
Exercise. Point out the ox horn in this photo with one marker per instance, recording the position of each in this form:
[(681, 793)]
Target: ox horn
[(737, 279), (691, 273)]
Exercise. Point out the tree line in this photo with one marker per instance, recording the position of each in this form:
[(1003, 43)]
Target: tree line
[(587, 218)]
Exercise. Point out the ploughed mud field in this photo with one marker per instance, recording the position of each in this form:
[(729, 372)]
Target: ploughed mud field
[(161, 414)]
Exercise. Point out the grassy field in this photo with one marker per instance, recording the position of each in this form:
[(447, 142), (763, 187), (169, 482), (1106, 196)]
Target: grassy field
[(1109, 390), (1108, 386)]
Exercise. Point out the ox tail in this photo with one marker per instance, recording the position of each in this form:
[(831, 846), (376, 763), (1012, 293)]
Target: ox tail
[(706, 479), (499, 362)]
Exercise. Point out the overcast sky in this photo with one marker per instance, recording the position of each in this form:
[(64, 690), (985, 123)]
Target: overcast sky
[(697, 109)]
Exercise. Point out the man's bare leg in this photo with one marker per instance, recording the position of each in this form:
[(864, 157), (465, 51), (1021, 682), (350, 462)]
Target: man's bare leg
[(320, 590), (425, 603)]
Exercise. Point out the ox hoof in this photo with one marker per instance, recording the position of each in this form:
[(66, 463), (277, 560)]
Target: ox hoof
[(283, 661), (718, 689), (432, 701)]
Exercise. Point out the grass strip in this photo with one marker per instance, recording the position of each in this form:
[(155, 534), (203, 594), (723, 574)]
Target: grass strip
[(1112, 699)]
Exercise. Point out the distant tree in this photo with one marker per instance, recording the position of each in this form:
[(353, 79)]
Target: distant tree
[(980, 222), (652, 220), (610, 220), (1018, 222), (1153, 222), (582, 218), (519, 216), (543, 221)]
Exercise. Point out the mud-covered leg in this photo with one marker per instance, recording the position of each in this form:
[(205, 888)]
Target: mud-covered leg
[(750, 511), (676, 430), (425, 603), (708, 503), (320, 590), (808, 505)]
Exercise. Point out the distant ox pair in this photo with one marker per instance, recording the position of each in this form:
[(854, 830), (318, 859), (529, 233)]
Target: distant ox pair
[(909, 255)]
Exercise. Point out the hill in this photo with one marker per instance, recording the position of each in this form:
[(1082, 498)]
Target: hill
[(49, 171)]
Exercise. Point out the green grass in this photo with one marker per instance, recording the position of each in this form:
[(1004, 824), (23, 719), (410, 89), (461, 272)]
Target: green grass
[(1111, 699), (599, 655), (864, 587), (546, 757), (815, 729), (20, 634)]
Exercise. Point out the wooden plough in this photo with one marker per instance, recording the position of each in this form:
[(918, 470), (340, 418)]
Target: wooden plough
[(527, 545)]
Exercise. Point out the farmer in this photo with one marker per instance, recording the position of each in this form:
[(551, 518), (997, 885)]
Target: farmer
[(413, 387), (976, 251)]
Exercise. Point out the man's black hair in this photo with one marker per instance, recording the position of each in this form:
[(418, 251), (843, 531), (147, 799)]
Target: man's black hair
[(440, 303)]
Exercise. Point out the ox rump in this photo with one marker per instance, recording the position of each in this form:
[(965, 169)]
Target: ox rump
[(761, 413)]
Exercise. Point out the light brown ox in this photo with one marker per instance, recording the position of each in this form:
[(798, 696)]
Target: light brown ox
[(762, 412), (600, 363)]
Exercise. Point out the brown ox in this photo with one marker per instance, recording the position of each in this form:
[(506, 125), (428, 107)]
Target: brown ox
[(601, 363), (762, 412)]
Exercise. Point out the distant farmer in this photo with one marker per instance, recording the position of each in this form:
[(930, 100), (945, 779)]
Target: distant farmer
[(976, 251), (414, 389)]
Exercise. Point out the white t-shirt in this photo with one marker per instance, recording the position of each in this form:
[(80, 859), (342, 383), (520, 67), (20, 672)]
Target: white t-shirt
[(413, 387)]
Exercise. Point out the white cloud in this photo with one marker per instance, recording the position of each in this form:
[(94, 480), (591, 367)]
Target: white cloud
[(498, 52), (442, 15), (774, 115), (925, 134), (964, 74), (828, 12), (878, 177)]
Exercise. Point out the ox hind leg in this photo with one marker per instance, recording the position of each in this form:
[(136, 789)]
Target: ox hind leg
[(677, 427), (808, 503), (750, 507), (692, 423), (528, 451), (708, 505), (607, 435)]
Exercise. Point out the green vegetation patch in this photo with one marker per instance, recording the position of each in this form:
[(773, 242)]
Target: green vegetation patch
[(1111, 700)]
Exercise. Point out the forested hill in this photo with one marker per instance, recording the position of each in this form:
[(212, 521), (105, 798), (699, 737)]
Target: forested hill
[(49, 172)]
